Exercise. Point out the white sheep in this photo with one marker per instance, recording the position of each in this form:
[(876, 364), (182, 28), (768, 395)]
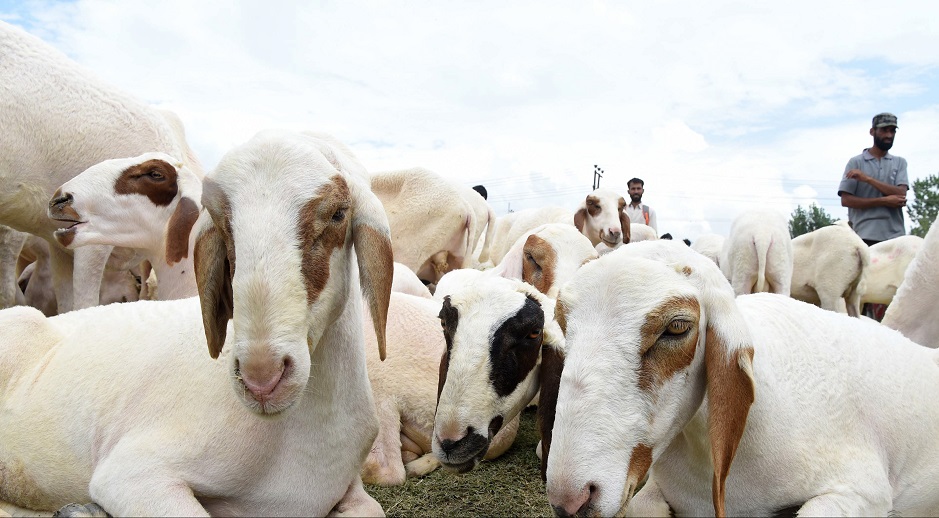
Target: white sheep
[(710, 246), (757, 255), (500, 341), (913, 309), (829, 269), (545, 257), (513, 225), (147, 203), (406, 386), (889, 262), (405, 391), (57, 120), (736, 406), (433, 228), (602, 218), (121, 405)]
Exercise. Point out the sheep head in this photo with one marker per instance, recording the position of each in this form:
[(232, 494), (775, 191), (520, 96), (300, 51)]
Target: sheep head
[(146, 202), (276, 254), (649, 329), (495, 332), (602, 218)]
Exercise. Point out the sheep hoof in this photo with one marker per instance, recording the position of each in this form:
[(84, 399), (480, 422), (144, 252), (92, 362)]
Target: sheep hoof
[(91, 510), (422, 466)]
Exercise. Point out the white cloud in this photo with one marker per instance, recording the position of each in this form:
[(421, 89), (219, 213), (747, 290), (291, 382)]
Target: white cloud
[(718, 106)]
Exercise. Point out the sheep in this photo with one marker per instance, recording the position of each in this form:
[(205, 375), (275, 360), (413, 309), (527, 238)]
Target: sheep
[(709, 245), (602, 218), (120, 404), (757, 255), (57, 120), (889, 262), (432, 226), (500, 342), (835, 404), (913, 309), (510, 227), (148, 203), (405, 385), (405, 391), (545, 257), (829, 268), (639, 232)]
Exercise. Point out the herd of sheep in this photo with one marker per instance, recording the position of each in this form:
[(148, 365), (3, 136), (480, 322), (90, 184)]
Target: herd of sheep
[(295, 326)]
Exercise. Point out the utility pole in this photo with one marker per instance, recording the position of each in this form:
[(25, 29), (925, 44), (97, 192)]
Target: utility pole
[(597, 174)]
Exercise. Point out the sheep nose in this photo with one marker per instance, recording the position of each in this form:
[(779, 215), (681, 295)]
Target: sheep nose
[(576, 504), (59, 200), (449, 446), (262, 378)]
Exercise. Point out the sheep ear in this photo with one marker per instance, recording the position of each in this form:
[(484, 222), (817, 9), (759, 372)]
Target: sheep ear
[(579, 217), (552, 363), (178, 229), (213, 277), (371, 237), (624, 221), (728, 358)]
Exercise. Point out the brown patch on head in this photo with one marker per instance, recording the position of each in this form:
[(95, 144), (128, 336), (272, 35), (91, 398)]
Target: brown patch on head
[(624, 221), (669, 339), (539, 263), (178, 229), (321, 228), (449, 320), (549, 378), (593, 205), (730, 392), (154, 179), (687, 271)]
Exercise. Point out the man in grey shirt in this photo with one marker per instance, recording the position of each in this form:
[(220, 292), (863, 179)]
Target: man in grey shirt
[(874, 186)]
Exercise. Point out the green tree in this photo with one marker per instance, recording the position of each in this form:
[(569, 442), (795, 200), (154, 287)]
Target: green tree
[(804, 221), (925, 207)]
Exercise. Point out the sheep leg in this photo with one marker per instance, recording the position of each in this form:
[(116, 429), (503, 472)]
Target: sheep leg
[(846, 504), (648, 501), (88, 271), (831, 303), (127, 485), (11, 242), (383, 465), (422, 465), (356, 502)]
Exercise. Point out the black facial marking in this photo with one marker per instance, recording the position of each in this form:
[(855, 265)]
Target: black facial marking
[(449, 317), (514, 350)]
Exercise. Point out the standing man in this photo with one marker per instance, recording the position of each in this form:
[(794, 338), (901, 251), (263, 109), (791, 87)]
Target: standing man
[(637, 211), (874, 186)]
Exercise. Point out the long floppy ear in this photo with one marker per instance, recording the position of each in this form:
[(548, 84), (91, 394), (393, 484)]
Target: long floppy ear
[(371, 237), (213, 277), (179, 227), (728, 357), (624, 221), (552, 363), (579, 217)]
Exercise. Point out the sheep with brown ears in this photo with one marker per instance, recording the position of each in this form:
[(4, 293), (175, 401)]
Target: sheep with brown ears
[(743, 405), (121, 404)]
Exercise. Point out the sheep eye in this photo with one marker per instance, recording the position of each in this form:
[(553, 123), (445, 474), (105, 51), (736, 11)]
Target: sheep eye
[(339, 215), (534, 334), (678, 327), (156, 175)]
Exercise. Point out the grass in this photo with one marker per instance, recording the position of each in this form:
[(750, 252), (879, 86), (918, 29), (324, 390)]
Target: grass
[(508, 486)]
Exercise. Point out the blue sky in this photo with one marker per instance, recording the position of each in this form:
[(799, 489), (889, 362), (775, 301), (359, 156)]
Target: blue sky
[(719, 106)]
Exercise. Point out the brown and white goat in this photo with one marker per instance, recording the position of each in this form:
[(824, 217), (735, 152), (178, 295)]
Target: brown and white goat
[(602, 218)]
